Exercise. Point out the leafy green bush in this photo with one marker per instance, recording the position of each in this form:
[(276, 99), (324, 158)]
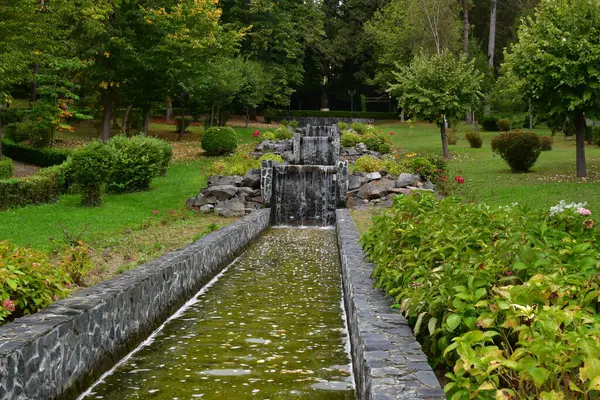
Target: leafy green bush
[(350, 139), (269, 136), (361, 128), (504, 124), (475, 140), (6, 168), (425, 167), (219, 140), (452, 137), (76, 261), (92, 166), (44, 187), (294, 124), (29, 282), (547, 142), (186, 123), (283, 133), (592, 134), (392, 165), (377, 142), (368, 164), (44, 157), (519, 149), (266, 157), (343, 126), (13, 115), (137, 160), (17, 132), (506, 298), (489, 123)]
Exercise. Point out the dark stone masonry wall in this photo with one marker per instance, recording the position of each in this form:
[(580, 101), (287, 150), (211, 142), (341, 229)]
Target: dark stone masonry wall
[(61, 350), (388, 361)]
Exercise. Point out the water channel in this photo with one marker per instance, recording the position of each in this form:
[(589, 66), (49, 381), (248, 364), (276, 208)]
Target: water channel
[(271, 327)]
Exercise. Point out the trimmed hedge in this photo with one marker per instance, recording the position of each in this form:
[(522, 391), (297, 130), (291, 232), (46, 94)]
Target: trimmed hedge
[(219, 140), (44, 187), (44, 157), (6, 168), (341, 114)]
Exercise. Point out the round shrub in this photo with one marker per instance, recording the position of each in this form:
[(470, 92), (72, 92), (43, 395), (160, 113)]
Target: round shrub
[(294, 124), (92, 166), (350, 139), (489, 123), (272, 157), (504, 124), (368, 164), (547, 143), (424, 167), (343, 126), (269, 114), (377, 142), (519, 149), (361, 128), (283, 133), (475, 140), (452, 137), (217, 141), (137, 160), (6, 168), (269, 136)]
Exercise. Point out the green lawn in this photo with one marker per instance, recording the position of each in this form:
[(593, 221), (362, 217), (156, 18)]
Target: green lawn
[(488, 178)]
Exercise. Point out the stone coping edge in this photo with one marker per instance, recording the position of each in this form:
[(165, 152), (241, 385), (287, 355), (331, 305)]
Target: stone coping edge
[(389, 363), (59, 351)]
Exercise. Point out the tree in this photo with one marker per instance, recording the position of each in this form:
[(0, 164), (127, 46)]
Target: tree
[(438, 87), (555, 63), (405, 27), (492, 35)]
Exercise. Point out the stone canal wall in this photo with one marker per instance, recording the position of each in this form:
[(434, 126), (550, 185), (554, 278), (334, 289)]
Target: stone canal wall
[(388, 361), (61, 350)]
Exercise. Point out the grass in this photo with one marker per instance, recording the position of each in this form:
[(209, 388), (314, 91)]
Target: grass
[(488, 178)]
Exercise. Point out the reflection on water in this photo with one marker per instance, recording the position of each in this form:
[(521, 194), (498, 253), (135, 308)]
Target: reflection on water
[(270, 328)]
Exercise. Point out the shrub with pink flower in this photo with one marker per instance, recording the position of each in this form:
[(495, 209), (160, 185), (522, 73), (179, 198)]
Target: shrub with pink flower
[(459, 179), (583, 211), (9, 305)]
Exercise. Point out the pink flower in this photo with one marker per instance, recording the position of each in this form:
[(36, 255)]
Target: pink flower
[(171, 212), (256, 133), (155, 212), (583, 211), (9, 305), (459, 179)]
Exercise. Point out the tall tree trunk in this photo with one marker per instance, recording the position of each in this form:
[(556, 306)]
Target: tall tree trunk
[(492, 38), (212, 115), (465, 26), (247, 117), (182, 125), (444, 138), (253, 114), (108, 104), (169, 105), (127, 119), (530, 116), (33, 94), (580, 138), (146, 120)]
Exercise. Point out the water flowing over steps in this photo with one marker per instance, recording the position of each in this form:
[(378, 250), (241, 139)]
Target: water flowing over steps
[(309, 191)]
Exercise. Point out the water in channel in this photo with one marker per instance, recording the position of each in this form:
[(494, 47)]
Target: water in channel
[(271, 327)]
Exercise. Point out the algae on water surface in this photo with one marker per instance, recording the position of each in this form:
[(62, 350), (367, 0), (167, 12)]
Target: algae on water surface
[(270, 328)]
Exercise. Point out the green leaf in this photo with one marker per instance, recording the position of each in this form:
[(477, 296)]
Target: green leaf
[(431, 325), (419, 322), (452, 322)]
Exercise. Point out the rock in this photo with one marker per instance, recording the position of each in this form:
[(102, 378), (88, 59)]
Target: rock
[(351, 151), (356, 181), (218, 180), (251, 206), (403, 191), (256, 199), (202, 200), (372, 176), (231, 208), (244, 192), (405, 180), (223, 192), (376, 189), (288, 156), (251, 180), (361, 148), (428, 185), (207, 208), (353, 202), (419, 189)]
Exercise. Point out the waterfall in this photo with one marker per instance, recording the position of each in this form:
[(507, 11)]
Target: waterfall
[(308, 192)]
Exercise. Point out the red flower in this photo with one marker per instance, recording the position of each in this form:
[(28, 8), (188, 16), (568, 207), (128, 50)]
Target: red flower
[(171, 212), (443, 178), (256, 133), (459, 179), (391, 133), (9, 305)]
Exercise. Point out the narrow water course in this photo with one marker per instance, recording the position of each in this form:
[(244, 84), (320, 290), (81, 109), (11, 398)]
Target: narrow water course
[(271, 327)]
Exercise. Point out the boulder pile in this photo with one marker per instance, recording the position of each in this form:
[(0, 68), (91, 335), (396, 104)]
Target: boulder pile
[(283, 148), (379, 188), (230, 196), (351, 154)]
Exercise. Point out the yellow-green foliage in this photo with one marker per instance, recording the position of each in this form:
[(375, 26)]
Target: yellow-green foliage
[(239, 164), (368, 164), (283, 133), (350, 139), (268, 136)]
